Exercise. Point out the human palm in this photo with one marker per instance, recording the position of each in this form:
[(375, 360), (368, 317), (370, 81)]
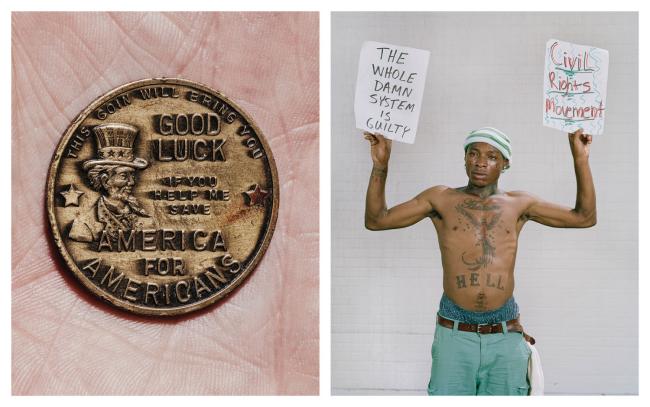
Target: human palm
[(263, 339)]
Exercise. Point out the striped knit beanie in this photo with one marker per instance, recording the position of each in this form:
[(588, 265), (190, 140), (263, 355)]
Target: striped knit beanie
[(495, 138)]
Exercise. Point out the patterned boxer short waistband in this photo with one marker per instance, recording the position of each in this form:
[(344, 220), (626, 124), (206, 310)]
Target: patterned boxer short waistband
[(450, 310)]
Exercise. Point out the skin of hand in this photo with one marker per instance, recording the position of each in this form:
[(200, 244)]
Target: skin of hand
[(580, 142), (379, 148), (262, 339)]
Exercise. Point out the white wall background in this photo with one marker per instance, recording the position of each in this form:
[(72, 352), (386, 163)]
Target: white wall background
[(577, 289)]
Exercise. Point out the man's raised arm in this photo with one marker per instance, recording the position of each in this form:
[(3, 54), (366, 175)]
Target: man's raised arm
[(584, 213), (378, 217)]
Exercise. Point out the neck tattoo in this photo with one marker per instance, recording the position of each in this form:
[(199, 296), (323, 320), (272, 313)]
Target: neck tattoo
[(481, 192)]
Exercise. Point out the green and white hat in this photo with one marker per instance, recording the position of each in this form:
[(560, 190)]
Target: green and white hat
[(494, 137)]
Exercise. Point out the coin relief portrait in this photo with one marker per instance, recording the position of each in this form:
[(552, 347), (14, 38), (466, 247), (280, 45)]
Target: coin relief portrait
[(113, 174), (162, 196)]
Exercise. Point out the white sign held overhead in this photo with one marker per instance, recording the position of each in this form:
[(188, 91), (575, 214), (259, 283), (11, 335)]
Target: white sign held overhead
[(575, 87), (390, 85)]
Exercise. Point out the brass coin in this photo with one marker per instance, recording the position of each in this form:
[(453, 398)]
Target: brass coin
[(162, 196)]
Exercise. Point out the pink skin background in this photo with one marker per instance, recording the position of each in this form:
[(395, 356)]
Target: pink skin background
[(263, 339)]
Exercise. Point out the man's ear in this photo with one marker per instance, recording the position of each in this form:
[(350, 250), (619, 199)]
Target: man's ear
[(103, 179)]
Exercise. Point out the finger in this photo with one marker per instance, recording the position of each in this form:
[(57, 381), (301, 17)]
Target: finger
[(576, 133), (372, 139)]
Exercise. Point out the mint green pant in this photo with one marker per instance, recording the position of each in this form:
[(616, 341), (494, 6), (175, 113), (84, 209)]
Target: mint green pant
[(467, 363)]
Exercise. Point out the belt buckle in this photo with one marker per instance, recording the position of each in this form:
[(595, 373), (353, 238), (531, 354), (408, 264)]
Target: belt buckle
[(478, 329)]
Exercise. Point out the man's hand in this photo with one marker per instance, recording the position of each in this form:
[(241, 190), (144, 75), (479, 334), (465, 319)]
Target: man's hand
[(579, 142), (379, 149)]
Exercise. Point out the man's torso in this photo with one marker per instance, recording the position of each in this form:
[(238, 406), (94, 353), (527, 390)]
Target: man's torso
[(478, 245)]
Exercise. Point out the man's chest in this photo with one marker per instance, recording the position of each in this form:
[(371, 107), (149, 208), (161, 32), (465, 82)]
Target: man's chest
[(477, 234), (467, 215)]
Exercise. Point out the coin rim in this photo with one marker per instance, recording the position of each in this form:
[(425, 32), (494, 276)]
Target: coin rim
[(54, 228)]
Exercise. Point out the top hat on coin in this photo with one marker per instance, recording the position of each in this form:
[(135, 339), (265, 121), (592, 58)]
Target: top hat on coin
[(115, 146)]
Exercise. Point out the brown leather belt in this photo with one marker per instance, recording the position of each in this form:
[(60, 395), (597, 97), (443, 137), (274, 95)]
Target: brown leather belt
[(512, 326)]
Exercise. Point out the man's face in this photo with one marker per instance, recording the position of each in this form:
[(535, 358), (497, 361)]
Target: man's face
[(483, 164), (119, 184)]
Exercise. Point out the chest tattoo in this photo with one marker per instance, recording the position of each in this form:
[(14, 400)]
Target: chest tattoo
[(482, 218)]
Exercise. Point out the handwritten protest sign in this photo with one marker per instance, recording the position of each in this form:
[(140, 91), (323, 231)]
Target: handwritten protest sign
[(575, 87), (390, 85)]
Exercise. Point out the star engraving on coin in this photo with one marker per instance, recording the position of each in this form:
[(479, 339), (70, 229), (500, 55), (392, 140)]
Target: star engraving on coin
[(160, 230), (257, 195), (71, 196)]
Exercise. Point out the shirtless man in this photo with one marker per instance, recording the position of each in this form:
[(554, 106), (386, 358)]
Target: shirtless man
[(479, 344)]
